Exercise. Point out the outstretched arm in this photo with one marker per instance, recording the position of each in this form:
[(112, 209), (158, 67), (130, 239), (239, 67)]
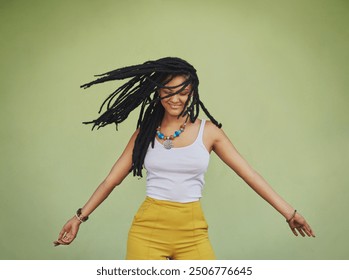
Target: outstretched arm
[(117, 174), (223, 147)]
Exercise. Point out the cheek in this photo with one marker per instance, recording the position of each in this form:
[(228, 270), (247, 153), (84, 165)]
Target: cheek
[(183, 98), (164, 101)]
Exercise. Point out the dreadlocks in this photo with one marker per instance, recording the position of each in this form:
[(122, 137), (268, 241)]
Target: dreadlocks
[(142, 89)]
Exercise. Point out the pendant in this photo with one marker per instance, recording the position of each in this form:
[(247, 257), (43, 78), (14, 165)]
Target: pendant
[(168, 144)]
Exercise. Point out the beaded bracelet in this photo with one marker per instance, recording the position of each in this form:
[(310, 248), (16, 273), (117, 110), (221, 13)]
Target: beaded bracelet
[(78, 214), (294, 214)]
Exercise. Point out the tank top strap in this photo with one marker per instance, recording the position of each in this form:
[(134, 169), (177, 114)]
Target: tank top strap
[(201, 130)]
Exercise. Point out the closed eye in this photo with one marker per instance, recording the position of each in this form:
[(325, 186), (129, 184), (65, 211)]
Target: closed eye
[(184, 93)]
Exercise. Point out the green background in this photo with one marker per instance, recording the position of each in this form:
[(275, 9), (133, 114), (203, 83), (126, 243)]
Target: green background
[(275, 73)]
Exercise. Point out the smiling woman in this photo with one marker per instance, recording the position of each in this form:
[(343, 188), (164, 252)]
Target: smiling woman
[(174, 146)]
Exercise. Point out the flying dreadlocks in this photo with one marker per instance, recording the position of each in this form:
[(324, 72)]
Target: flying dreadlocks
[(142, 89)]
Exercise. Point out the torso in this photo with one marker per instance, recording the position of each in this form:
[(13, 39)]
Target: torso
[(177, 174)]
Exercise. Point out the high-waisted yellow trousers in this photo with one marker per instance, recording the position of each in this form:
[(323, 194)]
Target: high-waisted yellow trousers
[(169, 230)]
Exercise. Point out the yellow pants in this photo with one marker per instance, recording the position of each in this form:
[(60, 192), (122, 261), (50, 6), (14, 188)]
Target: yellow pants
[(169, 230)]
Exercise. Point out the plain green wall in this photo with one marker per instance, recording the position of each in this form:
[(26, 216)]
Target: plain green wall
[(275, 73)]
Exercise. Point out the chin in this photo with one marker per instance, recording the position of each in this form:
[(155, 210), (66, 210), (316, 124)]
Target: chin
[(174, 112)]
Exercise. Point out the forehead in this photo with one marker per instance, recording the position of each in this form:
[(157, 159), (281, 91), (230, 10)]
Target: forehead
[(176, 81)]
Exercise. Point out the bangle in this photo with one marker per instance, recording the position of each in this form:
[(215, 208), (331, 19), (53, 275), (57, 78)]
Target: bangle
[(294, 214), (78, 214)]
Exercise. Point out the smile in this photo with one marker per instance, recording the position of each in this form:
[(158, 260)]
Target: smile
[(175, 106)]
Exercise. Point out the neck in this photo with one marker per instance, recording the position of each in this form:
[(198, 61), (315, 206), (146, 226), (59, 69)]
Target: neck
[(169, 120)]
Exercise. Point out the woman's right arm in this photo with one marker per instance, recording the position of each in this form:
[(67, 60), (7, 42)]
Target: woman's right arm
[(117, 174)]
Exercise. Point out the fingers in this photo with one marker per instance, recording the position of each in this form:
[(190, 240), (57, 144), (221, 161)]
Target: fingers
[(68, 239), (297, 230), (68, 233), (56, 243), (308, 230), (65, 238), (61, 234), (63, 241), (302, 229), (294, 231), (305, 229), (299, 225)]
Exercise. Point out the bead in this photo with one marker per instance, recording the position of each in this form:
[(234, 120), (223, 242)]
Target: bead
[(78, 214), (177, 133), (168, 139), (160, 135)]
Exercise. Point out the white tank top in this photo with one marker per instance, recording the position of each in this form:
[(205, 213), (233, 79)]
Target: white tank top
[(177, 174)]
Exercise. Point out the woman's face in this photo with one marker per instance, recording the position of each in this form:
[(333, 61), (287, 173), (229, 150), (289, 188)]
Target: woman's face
[(174, 104)]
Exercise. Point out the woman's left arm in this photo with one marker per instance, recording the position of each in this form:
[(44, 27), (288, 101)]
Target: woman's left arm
[(226, 151)]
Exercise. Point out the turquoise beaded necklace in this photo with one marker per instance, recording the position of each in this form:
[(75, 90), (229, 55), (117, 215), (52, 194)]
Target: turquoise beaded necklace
[(168, 144)]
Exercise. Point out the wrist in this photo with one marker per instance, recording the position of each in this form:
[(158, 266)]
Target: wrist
[(288, 220), (79, 216), (77, 220)]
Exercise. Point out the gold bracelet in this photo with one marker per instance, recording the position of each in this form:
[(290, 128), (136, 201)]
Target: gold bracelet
[(294, 214)]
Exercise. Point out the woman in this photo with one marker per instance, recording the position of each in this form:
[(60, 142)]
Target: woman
[(174, 147)]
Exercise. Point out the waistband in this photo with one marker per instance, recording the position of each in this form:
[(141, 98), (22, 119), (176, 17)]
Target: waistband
[(172, 203)]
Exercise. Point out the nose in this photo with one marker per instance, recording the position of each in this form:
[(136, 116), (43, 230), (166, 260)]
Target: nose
[(174, 98)]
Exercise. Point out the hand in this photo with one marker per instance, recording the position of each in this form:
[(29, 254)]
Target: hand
[(68, 232), (298, 223)]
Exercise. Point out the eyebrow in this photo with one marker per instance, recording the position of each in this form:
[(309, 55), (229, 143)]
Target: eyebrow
[(174, 90), (170, 91)]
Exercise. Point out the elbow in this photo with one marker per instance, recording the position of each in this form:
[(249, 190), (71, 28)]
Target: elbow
[(114, 179), (110, 183)]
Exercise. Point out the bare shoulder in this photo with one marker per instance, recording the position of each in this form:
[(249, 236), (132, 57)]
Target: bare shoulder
[(212, 130), (212, 135)]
